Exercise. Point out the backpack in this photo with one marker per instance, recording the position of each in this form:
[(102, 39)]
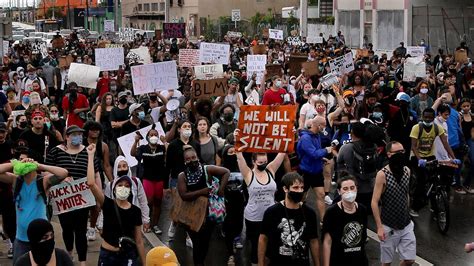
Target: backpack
[(420, 130), (365, 160), (39, 185)]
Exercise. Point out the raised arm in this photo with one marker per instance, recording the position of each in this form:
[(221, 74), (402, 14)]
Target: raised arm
[(97, 191), (276, 163)]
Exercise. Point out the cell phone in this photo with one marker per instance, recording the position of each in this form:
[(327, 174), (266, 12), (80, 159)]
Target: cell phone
[(139, 134)]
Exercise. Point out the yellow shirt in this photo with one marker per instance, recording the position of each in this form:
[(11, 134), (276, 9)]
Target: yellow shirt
[(426, 142)]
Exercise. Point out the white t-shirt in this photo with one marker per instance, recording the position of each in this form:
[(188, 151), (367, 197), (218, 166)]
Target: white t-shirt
[(308, 110), (440, 152)]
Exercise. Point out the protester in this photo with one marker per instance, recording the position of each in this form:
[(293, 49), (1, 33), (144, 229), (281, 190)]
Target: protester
[(161, 256)]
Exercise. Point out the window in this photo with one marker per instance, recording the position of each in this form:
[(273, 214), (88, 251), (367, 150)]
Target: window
[(349, 25), (389, 28), (162, 6), (154, 6), (139, 7), (146, 7)]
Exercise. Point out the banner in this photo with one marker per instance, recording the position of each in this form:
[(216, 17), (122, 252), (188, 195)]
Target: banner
[(109, 58), (414, 67), (154, 77), (214, 53), (84, 75), (188, 58), (109, 25), (266, 128), (210, 87), (275, 34), (140, 55), (174, 30), (70, 196), (314, 39), (234, 34), (310, 68), (256, 64), (342, 65), (416, 51), (209, 71), (126, 142)]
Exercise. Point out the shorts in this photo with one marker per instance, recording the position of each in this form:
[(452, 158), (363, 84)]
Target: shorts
[(312, 180), (153, 189), (404, 240)]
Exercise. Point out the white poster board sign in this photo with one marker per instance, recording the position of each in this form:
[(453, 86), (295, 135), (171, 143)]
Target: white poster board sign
[(109, 25), (294, 40), (342, 65), (109, 58), (154, 77), (253, 98), (188, 57), (256, 64), (140, 55), (84, 75), (209, 71), (15, 114), (126, 34), (126, 142), (314, 39), (71, 196), (5, 48), (415, 51), (275, 34), (413, 68), (214, 53)]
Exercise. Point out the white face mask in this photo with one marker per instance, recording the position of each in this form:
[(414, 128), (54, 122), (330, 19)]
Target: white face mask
[(187, 133), (122, 192), (153, 139), (349, 196), (424, 91), (54, 116)]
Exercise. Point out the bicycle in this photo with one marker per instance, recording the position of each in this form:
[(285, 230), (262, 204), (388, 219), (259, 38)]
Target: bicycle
[(438, 193)]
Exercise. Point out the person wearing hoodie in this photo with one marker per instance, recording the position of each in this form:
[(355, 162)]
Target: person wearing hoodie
[(312, 157)]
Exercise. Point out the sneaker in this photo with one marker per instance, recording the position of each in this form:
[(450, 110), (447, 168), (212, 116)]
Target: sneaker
[(189, 242), (469, 190), (460, 190), (10, 253), (238, 244), (231, 261), (157, 230), (327, 200), (171, 231), (91, 234), (413, 213)]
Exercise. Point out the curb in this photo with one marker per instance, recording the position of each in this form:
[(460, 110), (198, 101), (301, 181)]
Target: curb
[(153, 240)]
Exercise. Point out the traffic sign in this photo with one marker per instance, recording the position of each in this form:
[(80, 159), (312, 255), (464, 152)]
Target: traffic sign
[(235, 14)]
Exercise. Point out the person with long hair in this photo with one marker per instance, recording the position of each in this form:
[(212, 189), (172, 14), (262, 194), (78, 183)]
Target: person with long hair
[(421, 100), (102, 115), (209, 146), (56, 121), (75, 105), (122, 220)]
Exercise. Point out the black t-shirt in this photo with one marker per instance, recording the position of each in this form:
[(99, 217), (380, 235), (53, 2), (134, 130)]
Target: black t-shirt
[(153, 163), (175, 156), (6, 151), (128, 127), (16, 132), (118, 115), (130, 218), (289, 242), (37, 143), (62, 259), (348, 233)]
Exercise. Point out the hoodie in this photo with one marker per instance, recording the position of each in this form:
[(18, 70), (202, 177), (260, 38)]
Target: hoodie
[(310, 152)]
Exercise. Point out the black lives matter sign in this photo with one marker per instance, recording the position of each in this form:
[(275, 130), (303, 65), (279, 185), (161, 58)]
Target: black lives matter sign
[(174, 30)]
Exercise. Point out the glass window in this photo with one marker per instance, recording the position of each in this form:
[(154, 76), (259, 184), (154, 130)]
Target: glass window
[(139, 7), (154, 6), (162, 6), (146, 7)]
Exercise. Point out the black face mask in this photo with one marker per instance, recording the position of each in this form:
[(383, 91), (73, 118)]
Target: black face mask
[(43, 251), (296, 197), (23, 124), (193, 165), (123, 100), (397, 163), (349, 100), (228, 117), (262, 167), (153, 98), (122, 173), (325, 91), (344, 127)]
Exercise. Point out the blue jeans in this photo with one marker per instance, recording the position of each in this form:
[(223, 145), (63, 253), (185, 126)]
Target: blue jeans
[(111, 258), (20, 248)]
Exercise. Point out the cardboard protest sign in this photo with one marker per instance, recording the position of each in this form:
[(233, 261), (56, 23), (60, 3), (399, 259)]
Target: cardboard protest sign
[(15, 114), (70, 196), (65, 61), (109, 58), (314, 39), (174, 30), (265, 33), (414, 67), (188, 58), (214, 53), (102, 43), (460, 56), (273, 69), (190, 213), (209, 87), (266, 128), (342, 65), (415, 51), (311, 68), (256, 64), (209, 71), (57, 43), (234, 34), (294, 40), (158, 35), (126, 142), (275, 34), (84, 75), (154, 77), (295, 64), (259, 49), (140, 55), (362, 53), (109, 25)]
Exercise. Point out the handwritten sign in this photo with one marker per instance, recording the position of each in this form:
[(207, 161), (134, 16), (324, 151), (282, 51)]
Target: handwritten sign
[(328, 80), (188, 58), (234, 34), (275, 34), (154, 77), (253, 98), (109, 25), (314, 39), (266, 128), (174, 30), (126, 142), (294, 40), (295, 64), (140, 55), (273, 69), (214, 53), (256, 64), (71, 196), (460, 56), (342, 65), (209, 71), (362, 53), (126, 34), (414, 67), (259, 49), (210, 87), (416, 51), (15, 114), (311, 68), (109, 58), (84, 75)]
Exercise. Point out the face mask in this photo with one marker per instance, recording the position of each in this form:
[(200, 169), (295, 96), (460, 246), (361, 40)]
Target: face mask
[(262, 167), (48, 125), (123, 100), (31, 76), (26, 99), (153, 139), (424, 91), (293, 82), (294, 196), (382, 83), (278, 84), (377, 115), (122, 193), (349, 196), (228, 117), (122, 173), (43, 251), (320, 109), (187, 133), (349, 100), (153, 98), (113, 88), (16, 61), (54, 116), (326, 91), (76, 140), (23, 124), (141, 115), (193, 165), (314, 98), (4, 87), (427, 124)]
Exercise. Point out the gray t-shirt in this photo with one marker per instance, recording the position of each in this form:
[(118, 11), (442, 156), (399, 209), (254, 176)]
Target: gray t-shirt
[(208, 152)]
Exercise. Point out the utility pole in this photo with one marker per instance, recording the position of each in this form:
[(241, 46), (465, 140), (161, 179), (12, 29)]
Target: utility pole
[(69, 15), (304, 18), (86, 23), (167, 10), (116, 15)]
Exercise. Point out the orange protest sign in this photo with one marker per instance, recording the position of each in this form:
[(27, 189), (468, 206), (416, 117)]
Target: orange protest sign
[(259, 49), (460, 56), (209, 87), (273, 69), (266, 128), (311, 68)]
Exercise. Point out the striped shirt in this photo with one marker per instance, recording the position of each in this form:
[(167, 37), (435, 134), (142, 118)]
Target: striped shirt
[(76, 164)]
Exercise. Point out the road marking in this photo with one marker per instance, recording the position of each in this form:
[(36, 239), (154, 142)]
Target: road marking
[(420, 261)]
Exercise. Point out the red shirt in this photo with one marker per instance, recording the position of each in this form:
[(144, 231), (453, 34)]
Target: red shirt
[(72, 118), (103, 86), (275, 97)]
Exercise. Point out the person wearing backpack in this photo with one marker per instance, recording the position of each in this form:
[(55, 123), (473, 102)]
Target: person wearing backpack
[(29, 193), (359, 159)]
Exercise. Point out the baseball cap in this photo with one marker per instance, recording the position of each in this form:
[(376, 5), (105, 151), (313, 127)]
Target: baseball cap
[(347, 93), (401, 96), (134, 107), (161, 256), (122, 94), (73, 129)]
